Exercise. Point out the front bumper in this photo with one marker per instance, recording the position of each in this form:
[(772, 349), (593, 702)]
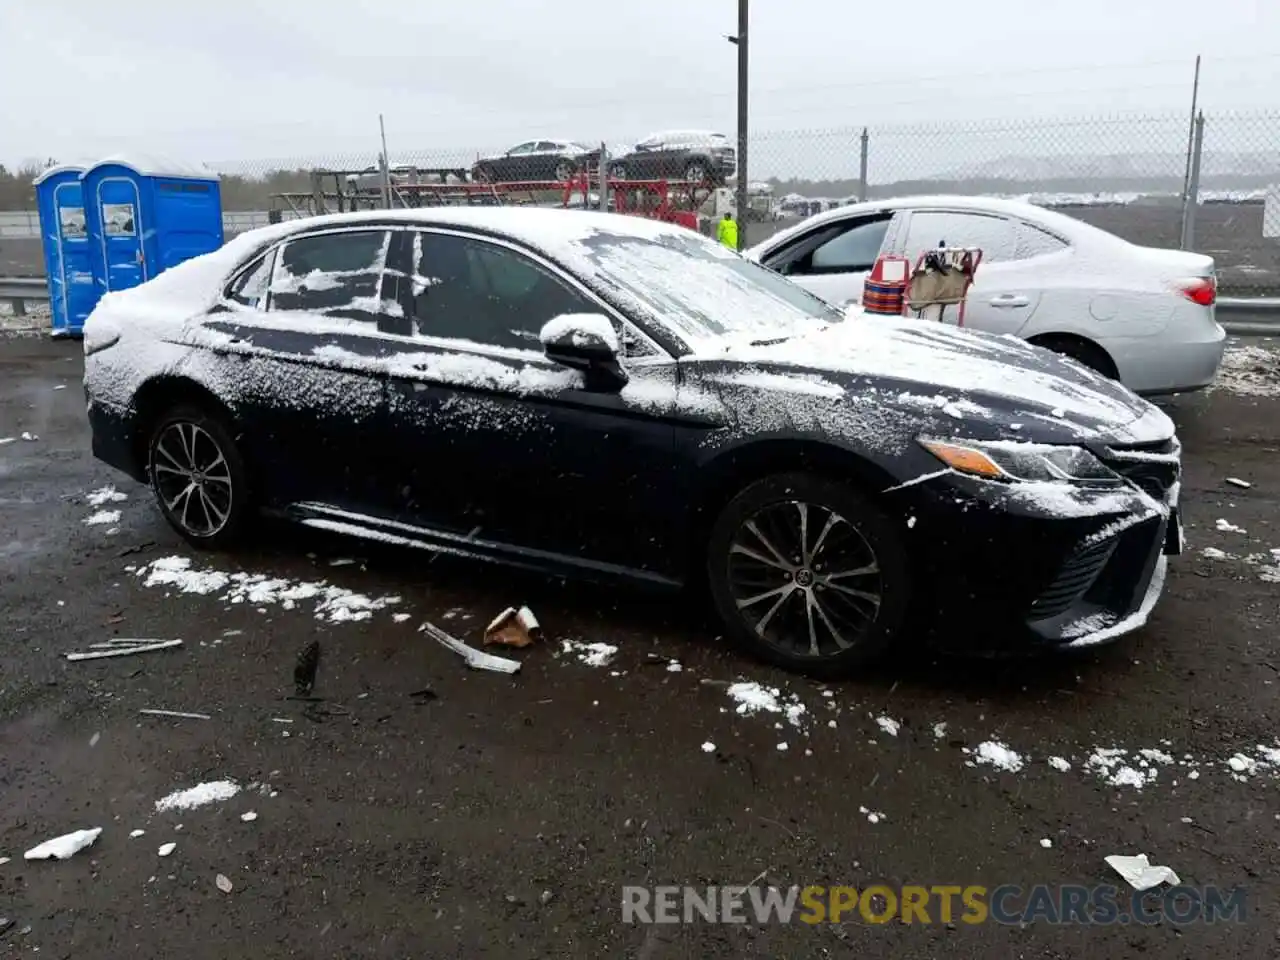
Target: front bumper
[(113, 432), (1070, 570)]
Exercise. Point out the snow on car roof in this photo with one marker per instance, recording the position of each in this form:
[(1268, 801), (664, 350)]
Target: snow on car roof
[(1069, 227), (194, 286)]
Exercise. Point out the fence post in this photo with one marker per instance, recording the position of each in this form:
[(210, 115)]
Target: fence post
[(317, 193), (862, 165), (1192, 200), (604, 180)]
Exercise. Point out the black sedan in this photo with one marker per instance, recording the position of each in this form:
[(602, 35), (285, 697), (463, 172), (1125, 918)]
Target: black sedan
[(607, 396), (537, 160), (698, 156)]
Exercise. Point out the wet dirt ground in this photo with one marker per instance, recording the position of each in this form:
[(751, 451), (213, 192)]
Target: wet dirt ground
[(501, 816)]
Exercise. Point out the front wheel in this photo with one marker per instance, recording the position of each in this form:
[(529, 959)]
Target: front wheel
[(695, 173), (809, 575), (199, 477), (618, 171)]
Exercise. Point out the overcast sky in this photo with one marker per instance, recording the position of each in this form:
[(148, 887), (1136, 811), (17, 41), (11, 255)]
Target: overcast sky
[(252, 80)]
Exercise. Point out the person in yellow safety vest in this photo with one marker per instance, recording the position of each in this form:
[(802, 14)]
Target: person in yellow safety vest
[(727, 232)]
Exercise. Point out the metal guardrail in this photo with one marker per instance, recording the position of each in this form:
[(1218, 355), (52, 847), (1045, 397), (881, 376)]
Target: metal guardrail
[(18, 290), (1241, 316), (1250, 316)]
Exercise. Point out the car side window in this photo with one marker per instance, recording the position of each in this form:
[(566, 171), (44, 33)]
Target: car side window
[(249, 289), (520, 150), (1035, 242), (854, 250), (336, 274), (993, 235), (469, 289)]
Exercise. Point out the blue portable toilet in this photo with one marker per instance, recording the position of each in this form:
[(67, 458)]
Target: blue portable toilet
[(65, 239), (146, 214)]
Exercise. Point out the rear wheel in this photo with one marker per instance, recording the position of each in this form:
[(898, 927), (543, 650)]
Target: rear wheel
[(618, 171), (199, 477), (564, 170), (809, 575), (1082, 351), (696, 172)]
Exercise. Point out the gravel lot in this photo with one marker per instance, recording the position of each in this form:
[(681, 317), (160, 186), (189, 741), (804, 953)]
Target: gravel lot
[(500, 816)]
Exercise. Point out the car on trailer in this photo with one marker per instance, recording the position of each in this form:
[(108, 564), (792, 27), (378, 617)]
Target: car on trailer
[(536, 160), (698, 156), (623, 399)]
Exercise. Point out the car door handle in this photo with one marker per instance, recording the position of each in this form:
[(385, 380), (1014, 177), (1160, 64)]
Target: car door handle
[(1010, 300)]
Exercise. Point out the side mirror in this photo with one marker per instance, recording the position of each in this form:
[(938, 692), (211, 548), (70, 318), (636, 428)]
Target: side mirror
[(586, 342)]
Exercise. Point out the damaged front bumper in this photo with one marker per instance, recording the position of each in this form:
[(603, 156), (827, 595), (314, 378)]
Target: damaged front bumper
[(1059, 566)]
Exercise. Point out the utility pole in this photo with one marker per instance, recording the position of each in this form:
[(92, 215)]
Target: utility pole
[(740, 202)]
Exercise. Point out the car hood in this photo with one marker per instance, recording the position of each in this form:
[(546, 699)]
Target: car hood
[(1000, 385)]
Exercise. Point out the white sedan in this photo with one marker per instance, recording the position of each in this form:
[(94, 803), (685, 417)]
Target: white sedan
[(1141, 315)]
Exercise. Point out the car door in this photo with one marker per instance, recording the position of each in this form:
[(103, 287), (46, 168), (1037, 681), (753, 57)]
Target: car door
[(645, 163), (1006, 289), (834, 258), (510, 166), (542, 164), (297, 334), (499, 444)]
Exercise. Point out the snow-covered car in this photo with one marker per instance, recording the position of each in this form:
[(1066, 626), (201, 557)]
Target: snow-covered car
[(700, 156), (536, 160), (619, 398), (1142, 315)]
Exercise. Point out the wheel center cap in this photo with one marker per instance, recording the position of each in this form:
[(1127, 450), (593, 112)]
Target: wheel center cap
[(804, 577)]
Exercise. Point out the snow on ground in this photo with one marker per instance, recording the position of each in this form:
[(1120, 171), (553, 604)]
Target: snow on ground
[(102, 518), (592, 654), (105, 495), (752, 698), (202, 794), (1249, 370), (332, 604)]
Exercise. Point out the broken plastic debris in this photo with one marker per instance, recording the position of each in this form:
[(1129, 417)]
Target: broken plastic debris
[(125, 649), (476, 659), (176, 713), (135, 834), (166, 849), (223, 882), (63, 847), (1237, 482), (513, 628), (248, 816), (1139, 873)]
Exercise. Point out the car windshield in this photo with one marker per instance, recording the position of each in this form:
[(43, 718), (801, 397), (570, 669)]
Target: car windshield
[(703, 291)]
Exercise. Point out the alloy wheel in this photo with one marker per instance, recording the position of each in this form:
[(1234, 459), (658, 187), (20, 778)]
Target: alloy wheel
[(192, 477), (695, 172), (804, 579), (564, 170)]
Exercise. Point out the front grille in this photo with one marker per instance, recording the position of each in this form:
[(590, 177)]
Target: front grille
[(1076, 575)]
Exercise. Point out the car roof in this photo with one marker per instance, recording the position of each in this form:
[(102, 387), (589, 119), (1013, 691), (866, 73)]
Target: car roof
[(1069, 227), (542, 228)]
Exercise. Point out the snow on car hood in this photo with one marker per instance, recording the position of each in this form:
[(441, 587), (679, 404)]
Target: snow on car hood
[(971, 364)]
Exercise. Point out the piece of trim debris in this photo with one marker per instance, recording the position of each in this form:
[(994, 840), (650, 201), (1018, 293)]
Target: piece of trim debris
[(1237, 482), (176, 713), (223, 883), (476, 659), (63, 847), (1139, 873), (513, 628), (124, 650)]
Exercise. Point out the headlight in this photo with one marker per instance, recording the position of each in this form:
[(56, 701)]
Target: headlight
[(1012, 460)]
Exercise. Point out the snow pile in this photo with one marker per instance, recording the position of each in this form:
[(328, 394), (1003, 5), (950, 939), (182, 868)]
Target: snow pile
[(332, 604), (993, 753), (104, 495), (1267, 564), (1123, 768), (1249, 371), (753, 698), (102, 518), (591, 654), (200, 795)]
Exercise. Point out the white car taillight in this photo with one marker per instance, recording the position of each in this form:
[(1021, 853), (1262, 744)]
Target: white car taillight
[(1201, 290)]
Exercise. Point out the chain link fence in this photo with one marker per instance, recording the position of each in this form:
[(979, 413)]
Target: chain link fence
[(1125, 174)]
